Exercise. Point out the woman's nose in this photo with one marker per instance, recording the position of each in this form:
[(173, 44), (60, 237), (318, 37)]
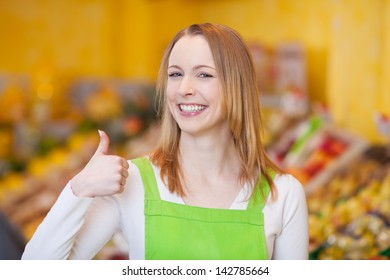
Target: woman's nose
[(186, 87)]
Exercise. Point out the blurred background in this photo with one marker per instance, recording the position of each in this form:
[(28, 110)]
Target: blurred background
[(69, 67)]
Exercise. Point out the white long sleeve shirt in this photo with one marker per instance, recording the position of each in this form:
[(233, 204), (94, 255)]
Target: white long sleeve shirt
[(78, 228)]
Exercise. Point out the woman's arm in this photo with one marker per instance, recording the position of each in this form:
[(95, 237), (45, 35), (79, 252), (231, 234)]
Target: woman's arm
[(290, 215), (74, 228)]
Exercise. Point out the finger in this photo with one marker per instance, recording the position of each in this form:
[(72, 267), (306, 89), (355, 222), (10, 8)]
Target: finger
[(121, 188), (125, 173), (125, 164), (122, 182), (104, 143)]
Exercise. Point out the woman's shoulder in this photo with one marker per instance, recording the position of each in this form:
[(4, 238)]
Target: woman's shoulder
[(287, 180), (289, 187)]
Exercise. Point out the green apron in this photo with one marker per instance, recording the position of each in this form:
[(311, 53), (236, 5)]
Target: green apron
[(180, 232)]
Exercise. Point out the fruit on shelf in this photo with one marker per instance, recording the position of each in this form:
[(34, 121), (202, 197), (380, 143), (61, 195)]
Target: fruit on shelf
[(313, 150), (327, 149), (349, 216)]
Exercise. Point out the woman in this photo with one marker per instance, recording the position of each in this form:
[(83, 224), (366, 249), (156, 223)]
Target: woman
[(207, 192)]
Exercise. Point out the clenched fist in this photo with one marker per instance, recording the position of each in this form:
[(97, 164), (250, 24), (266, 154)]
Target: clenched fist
[(103, 175)]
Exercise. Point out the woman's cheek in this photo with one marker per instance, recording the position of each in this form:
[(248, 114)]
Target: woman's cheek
[(170, 92)]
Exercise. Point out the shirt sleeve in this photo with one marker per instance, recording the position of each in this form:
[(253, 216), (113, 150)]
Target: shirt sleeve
[(74, 228), (290, 230)]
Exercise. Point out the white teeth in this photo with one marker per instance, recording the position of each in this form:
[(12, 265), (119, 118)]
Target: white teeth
[(191, 108)]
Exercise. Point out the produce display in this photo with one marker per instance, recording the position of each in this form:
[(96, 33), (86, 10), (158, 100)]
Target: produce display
[(349, 217), (312, 150), (347, 183)]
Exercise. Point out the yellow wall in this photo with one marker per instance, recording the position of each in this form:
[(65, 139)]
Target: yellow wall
[(384, 86), (358, 64), (347, 42), (64, 35)]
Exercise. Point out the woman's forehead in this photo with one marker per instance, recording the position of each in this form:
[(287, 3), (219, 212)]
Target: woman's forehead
[(191, 49)]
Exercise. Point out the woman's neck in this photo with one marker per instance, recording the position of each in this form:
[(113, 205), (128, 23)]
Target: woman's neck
[(208, 154), (211, 170)]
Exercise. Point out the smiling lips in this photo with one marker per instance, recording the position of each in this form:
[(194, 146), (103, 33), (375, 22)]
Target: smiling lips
[(191, 108)]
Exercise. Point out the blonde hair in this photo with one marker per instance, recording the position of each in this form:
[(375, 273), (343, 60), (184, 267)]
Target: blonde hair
[(241, 107)]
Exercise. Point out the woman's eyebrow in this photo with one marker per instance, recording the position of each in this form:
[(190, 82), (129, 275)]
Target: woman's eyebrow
[(203, 66), (195, 67), (174, 66)]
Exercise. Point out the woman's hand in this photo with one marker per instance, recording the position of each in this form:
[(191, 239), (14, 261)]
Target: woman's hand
[(103, 175)]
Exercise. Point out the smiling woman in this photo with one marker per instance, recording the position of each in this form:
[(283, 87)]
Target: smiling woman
[(193, 90), (208, 191)]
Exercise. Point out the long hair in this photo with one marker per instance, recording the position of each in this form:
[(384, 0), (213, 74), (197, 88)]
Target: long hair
[(241, 108)]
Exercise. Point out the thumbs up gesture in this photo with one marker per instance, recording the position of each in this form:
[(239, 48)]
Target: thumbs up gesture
[(103, 175)]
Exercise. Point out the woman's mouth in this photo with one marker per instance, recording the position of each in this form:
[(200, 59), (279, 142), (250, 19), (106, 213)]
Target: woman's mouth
[(191, 108)]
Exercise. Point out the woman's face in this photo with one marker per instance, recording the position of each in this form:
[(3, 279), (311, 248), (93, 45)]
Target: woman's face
[(193, 88)]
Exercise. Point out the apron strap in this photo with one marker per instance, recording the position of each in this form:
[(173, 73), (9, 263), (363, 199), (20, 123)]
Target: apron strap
[(148, 178), (260, 192)]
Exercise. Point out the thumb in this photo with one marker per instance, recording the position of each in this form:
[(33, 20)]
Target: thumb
[(104, 143)]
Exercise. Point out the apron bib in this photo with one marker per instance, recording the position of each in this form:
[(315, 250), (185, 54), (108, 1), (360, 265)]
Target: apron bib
[(180, 232)]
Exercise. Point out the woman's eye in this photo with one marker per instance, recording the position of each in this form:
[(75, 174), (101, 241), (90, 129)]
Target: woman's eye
[(174, 74), (205, 75)]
